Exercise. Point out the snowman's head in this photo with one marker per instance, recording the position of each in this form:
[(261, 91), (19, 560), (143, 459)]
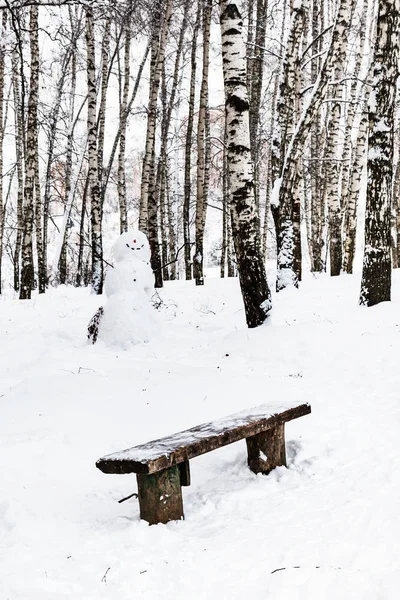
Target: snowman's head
[(132, 244)]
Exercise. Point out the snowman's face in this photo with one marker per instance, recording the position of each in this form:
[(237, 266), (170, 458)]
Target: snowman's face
[(136, 245), (130, 245)]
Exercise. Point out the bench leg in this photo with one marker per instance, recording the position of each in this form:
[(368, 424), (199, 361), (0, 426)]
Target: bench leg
[(266, 450), (184, 470), (160, 496)]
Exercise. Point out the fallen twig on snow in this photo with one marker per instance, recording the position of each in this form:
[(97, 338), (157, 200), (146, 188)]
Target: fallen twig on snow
[(134, 495)]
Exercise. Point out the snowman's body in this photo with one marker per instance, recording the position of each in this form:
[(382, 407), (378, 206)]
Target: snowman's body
[(130, 275), (128, 315)]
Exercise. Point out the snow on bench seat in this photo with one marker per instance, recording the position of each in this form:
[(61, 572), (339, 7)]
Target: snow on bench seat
[(174, 449)]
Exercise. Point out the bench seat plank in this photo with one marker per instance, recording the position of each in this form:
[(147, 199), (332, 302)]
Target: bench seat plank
[(174, 449)]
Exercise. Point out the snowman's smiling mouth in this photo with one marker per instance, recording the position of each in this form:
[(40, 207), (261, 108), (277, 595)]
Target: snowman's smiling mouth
[(128, 246)]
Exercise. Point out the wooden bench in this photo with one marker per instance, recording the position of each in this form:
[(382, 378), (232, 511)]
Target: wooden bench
[(162, 466)]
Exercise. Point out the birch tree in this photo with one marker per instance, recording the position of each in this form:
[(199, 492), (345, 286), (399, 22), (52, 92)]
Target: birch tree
[(353, 192), (169, 104), (315, 210), (245, 221), (149, 208), (93, 178), (123, 118), (376, 275), (255, 72), (27, 270), (160, 27), (396, 212), (188, 147), (19, 155), (203, 164), (2, 84), (286, 187), (287, 214), (332, 157)]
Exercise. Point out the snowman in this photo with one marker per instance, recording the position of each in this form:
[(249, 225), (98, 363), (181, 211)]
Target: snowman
[(128, 317), (132, 271)]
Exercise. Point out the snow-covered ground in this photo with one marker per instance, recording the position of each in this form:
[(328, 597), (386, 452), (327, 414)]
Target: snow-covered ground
[(325, 528)]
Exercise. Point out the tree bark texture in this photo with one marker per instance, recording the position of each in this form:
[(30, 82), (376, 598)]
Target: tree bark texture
[(376, 275), (255, 62), (2, 65), (167, 219), (287, 214), (316, 216), (333, 158), (93, 177), (188, 148), (105, 64), (60, 261), (396, 217), (245, 221), (352, 107), (123, 117), (19, 153), (27, 268), (356, 174), (161, 22), (202, 154)]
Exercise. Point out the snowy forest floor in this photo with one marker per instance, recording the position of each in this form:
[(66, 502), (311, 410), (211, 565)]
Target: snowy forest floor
[(325, 528)]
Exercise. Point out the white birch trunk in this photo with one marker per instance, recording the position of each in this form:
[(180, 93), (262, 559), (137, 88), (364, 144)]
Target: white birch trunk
[(334, 155), (287, 216), (105, 65), (27, 270), (19, 153), (202, 166), (160, 31), (353, 194), (123, 117), (376, 275), (188, 148), (2, 65), (245, 222), (94, 188)]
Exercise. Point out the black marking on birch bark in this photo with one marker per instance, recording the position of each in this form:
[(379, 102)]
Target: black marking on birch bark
[(238, 149), (239, 104), (232, 31), (231, 12)]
